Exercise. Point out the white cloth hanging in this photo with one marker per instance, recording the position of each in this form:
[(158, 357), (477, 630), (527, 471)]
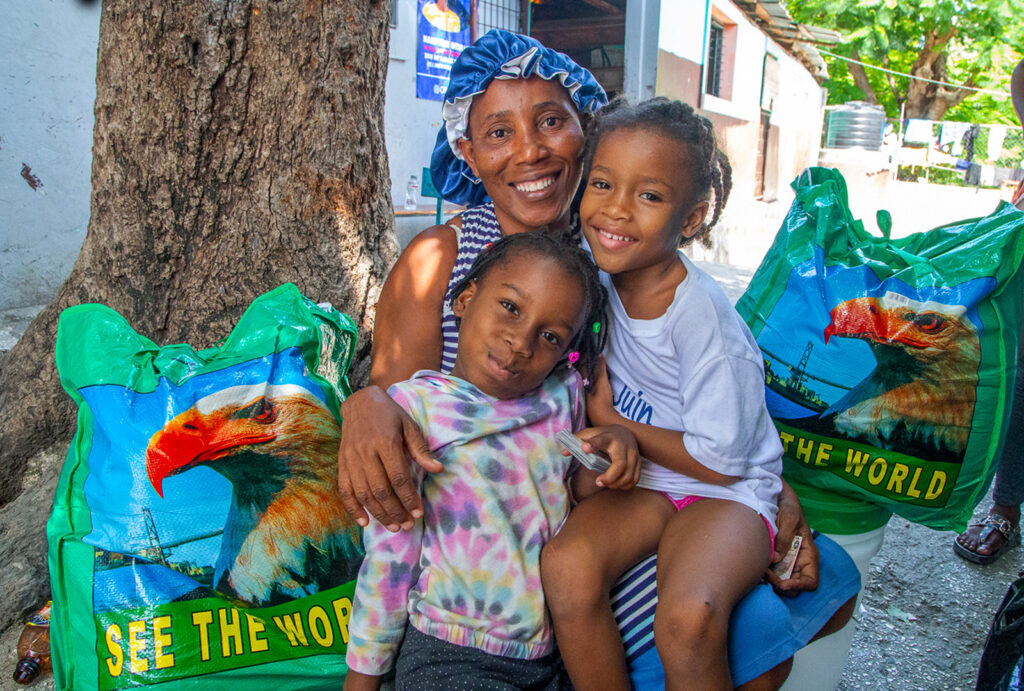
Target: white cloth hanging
[(996, 135)]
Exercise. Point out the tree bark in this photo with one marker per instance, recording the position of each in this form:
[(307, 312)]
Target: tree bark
[(926, 99), (860, 79), (238, 145)]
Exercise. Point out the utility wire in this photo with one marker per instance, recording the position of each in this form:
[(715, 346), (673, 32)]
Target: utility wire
[(910, 76)]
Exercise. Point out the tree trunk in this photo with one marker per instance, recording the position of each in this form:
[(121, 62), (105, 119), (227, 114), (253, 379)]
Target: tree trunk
[(238, 145), (926, 99)]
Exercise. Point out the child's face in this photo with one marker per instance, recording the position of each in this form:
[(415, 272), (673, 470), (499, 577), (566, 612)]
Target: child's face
[(526, 148), (638, 201), (516, 324)]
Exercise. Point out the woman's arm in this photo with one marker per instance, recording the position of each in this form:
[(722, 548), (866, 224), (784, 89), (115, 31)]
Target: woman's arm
[(377, 436), (407, 327)]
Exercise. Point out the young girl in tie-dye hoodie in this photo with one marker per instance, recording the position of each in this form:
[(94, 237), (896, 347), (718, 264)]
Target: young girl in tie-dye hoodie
[(457, 601)]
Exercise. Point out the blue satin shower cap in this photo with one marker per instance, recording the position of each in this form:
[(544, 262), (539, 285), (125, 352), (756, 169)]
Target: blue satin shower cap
[(497, 55)]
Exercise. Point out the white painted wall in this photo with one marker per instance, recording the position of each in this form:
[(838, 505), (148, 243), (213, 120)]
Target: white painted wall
[(48, 82), (410, 123), (748, 67), (798, 111), (682, 29)]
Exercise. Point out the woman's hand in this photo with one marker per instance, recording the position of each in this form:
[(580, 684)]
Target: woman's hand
[(619, 445), (792, 522), (378, 439), (600, 408)]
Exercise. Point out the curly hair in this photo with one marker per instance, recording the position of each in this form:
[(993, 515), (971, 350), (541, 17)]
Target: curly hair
[(590, 339), (676, 120)]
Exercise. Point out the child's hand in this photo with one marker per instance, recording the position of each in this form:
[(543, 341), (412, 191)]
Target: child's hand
[(600, 408), (619, 445)]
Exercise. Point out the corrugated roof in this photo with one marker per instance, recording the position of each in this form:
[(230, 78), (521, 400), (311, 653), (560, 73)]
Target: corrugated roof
[(797, 39)]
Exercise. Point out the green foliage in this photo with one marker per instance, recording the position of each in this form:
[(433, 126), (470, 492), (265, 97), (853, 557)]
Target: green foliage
[(984, 44), (935, 176), (984, 108)]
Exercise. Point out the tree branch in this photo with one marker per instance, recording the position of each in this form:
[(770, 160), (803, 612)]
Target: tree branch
[(860, 78), (892, 82)]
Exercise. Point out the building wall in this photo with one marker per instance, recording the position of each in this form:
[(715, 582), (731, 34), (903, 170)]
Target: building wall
[(799, 113), (410, 123), (682, 30), (678, 78), (46, 121), (796, 111)]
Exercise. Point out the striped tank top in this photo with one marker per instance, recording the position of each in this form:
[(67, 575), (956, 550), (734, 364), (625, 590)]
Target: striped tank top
[(479, 229)]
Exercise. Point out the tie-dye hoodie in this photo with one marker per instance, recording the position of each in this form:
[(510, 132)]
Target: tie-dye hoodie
[(469, 572)]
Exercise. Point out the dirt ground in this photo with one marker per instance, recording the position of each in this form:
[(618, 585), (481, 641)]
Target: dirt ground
[(925, 613)]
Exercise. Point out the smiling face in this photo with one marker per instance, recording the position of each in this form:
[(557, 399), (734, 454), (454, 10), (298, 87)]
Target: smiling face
[(638, 202), (526, 146), (517, 321)]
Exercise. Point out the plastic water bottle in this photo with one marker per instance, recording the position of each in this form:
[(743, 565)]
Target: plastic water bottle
[(34, 648), (412, 193)]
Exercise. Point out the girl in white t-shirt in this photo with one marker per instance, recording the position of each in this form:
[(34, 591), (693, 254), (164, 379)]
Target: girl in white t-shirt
[(686, 377)]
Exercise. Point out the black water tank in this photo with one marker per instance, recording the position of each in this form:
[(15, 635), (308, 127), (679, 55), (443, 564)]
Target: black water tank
[(855, 125)]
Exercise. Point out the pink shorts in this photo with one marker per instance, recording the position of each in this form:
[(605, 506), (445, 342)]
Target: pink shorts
[(681, 504)]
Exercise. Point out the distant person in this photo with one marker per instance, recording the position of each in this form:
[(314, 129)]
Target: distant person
[(983, 543)]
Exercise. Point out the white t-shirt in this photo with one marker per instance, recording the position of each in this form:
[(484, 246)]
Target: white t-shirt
[(697, 369)]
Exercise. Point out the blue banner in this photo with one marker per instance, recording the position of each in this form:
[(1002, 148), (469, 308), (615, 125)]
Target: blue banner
[(442, 37)]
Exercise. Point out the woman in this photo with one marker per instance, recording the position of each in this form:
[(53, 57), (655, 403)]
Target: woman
[(512, 131)]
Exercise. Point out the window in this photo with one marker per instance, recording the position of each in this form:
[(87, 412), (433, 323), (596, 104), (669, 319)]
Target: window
[(713, 64), (497, 14)]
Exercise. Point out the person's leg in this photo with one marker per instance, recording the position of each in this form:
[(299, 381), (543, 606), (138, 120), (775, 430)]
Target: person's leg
[(771, 680), (1008, 492), (1009, 484), (765, 630), (711, 554), (604, 535), (987, 539)]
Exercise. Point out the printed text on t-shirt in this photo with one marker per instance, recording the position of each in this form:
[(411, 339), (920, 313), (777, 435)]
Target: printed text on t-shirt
[(632, 405)]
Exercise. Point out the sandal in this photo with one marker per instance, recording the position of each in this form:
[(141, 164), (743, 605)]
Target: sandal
[(993, 522)]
